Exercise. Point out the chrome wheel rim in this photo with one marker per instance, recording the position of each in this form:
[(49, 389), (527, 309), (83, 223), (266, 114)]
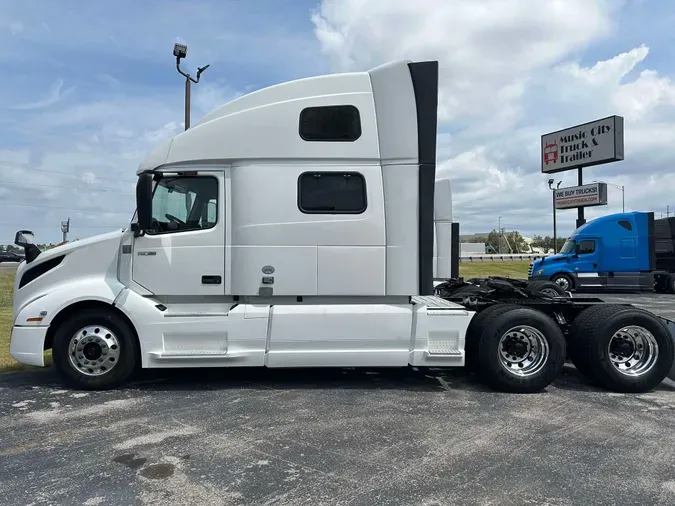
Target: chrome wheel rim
[(523, 351), (633, 350), (94, 350), (563, 283)]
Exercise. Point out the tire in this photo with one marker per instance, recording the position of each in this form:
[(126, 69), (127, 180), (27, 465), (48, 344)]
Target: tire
[(670, 284), (475, 330), (547, 288), (564, 281), (598, 328), (111, 353), (522, 324)]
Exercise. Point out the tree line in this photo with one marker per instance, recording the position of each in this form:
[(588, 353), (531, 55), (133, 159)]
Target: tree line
[(513, 242)]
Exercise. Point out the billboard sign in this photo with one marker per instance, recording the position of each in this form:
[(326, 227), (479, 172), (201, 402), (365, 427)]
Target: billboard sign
[(593, 143), (594, 194)]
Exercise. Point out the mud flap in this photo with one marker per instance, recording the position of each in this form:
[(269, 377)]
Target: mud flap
[(671, 328)]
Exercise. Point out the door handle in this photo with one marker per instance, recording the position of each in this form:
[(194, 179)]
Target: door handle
[(595, 265), (211, 280)]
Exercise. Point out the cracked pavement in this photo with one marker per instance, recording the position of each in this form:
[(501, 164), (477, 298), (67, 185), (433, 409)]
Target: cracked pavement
[(332, 437)]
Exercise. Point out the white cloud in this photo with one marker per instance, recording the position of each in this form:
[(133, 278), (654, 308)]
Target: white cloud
[(82, 161), (509, 73), (487, 47), (54, 95)]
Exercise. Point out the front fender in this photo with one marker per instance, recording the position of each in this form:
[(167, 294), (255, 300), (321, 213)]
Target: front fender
[(41, 310)]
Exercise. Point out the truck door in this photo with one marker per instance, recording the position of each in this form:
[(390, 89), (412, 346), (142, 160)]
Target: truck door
[(185, 253), (586, 264)]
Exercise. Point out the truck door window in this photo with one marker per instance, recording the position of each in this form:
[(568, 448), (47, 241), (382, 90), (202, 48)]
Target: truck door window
[(332, 193), (586, 247), (183, 203)]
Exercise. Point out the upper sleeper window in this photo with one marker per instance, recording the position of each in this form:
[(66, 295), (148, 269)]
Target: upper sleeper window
[(332, 193), (334, 123), (626, 224)]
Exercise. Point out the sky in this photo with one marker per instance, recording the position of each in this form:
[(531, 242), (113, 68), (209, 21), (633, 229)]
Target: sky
[(89, 88)]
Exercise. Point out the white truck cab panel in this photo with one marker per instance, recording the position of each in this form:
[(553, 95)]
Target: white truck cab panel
[(290, 227)]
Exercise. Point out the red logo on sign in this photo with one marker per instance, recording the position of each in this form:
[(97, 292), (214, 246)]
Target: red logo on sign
[(551, 153)]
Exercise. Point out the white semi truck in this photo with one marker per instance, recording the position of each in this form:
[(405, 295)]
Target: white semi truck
[(294, 227)]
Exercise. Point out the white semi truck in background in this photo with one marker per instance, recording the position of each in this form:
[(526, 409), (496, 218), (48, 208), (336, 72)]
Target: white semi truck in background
[(294, 227)]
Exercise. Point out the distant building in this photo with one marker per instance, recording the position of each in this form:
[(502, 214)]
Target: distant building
[(466, 248)]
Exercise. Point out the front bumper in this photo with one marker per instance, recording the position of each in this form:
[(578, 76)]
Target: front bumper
[(27, 345), (538, 278)]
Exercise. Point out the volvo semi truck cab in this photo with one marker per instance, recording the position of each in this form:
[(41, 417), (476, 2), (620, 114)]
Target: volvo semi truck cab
[(293, 227), (622, 252)]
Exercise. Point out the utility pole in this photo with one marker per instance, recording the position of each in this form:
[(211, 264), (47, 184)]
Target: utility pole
[(555, 228), (180, 52), (499, 235), (623, 193), (65, 228)]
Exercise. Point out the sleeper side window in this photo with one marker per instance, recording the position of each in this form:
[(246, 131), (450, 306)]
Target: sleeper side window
[(332, 193), (335, 123)]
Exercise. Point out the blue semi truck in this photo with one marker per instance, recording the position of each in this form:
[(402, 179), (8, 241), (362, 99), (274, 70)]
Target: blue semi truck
[(617, 252)]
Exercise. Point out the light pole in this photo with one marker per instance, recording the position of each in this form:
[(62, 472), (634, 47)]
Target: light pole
[(499, 235), (180, 52), (65, 228), (623, 193), (555, 229)]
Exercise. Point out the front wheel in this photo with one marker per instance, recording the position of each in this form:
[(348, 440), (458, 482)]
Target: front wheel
[(563, 281), (520, 350), (95, 349)]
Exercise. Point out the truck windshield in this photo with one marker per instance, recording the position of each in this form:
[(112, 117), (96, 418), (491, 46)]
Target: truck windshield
[(568, 247)]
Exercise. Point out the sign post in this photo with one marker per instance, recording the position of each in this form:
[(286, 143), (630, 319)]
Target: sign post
[(585, 145)]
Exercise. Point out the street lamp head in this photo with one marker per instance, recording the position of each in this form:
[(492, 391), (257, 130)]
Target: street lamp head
[(550, 182), (179, 50)]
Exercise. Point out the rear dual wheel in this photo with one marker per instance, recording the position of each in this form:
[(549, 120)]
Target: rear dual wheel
[(623, 348), (548, 288), (515, 349)]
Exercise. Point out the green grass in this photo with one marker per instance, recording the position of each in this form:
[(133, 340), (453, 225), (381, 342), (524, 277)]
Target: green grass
[(7, 363), (515, 269)]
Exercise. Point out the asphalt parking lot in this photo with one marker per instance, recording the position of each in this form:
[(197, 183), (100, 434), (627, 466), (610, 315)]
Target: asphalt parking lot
[(370, 437), (335, 437)]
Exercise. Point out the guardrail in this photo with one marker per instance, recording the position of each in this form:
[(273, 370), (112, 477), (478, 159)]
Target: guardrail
[(477, 257)]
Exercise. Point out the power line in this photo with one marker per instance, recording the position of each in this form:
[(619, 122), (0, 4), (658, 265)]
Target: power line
[(66, 208), (5, 224), (117, 180), (97, 189)]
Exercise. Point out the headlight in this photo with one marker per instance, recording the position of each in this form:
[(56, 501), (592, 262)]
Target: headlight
[(539, 272)]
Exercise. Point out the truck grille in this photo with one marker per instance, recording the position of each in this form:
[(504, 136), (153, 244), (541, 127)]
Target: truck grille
[(529, 271)]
